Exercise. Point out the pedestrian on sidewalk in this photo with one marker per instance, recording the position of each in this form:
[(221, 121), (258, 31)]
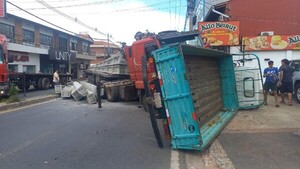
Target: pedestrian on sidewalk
[(271, 75), (286, 81), (55, 78)]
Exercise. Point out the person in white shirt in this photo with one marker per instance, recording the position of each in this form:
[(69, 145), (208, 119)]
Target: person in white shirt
[(56, 78)]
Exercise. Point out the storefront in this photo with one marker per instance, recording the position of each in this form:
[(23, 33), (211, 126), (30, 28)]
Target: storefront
[(57, 60), (23, 62)]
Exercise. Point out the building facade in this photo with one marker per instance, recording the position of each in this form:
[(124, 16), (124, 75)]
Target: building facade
[(35, 48), (260, 18), (102, 50)]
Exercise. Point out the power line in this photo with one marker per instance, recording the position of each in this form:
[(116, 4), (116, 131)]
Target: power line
[(76, 5), (31, 2), (69, 17), (41, 18)]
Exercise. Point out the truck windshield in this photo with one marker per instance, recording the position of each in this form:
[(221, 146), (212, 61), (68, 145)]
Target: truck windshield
[(195, 42), (1, 55)]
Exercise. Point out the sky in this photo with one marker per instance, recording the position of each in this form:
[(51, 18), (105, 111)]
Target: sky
[(121, 19)]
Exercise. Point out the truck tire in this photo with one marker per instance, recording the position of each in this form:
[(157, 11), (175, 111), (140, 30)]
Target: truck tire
[(112, 93), (39, 84), (151, 110), (297, 93), (45, 83)]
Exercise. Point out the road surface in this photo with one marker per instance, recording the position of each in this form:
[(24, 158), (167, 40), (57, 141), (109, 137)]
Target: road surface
[(74, 135)]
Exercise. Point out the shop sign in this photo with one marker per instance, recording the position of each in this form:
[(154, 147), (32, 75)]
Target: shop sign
[(61, 55), (275, 42), (2, 8), (220, 33), (18, 57)]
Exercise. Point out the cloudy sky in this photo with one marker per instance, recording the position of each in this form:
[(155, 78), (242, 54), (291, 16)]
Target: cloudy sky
[(119, 18)]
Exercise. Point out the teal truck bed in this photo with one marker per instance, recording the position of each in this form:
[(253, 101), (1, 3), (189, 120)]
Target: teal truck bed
[(198, 90)]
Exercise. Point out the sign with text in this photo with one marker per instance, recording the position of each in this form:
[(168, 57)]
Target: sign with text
[(2, 8), (275, 42), (61, 55), (18, 57), (220, 33)]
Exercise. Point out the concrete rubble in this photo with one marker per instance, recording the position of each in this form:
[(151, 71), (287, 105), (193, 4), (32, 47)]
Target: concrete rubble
[(78, 90)]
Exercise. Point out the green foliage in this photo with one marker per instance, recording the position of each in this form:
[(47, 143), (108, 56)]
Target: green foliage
[(12, 99), (13, 94), (13, 90)]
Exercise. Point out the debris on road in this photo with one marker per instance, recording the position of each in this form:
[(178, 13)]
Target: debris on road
[(79, 90)]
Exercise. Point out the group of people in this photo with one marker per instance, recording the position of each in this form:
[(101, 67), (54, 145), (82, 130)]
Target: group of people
[(279, 81)]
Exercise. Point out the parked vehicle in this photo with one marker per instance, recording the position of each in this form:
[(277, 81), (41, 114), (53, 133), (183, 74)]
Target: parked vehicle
[(20, 79), (296, 78)]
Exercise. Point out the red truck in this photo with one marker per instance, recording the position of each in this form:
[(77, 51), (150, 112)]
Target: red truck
[(121, 74), (22, 80)]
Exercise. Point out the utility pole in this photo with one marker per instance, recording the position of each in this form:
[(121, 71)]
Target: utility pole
[(108, 54)]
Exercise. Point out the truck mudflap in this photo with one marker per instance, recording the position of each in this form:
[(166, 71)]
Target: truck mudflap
[(198, 91)]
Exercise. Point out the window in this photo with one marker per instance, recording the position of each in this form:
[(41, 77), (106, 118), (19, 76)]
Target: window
[(73, 46), (249, 87), (1, 54), (13, 68), (85, 48), (7, 30), (28, 36), (45, 40), (296, 65), (63, 44), (29, 68)]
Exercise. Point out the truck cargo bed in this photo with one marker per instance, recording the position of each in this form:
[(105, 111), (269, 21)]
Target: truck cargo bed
[(198, 91)]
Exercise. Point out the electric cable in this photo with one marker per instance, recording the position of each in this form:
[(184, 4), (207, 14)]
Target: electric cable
[(41, 18), (70, 18)]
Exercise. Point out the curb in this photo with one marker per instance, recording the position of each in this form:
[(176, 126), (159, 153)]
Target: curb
[(27, 102)]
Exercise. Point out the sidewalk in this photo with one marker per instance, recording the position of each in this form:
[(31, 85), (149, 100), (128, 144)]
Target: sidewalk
[(28, 99), (263, 138)]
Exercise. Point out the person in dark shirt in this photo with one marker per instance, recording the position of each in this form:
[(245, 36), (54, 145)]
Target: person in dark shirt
[(286, 81), (269, 84)]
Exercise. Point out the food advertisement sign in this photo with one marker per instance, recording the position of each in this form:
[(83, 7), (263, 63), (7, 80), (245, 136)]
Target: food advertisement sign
[(275, 42), (220, 33)]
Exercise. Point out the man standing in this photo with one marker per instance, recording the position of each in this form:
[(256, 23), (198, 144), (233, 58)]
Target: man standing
[(286, 81), (55, 78), (270, 73)]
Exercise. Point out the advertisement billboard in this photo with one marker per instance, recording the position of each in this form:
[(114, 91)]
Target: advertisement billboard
[(2, 8), (275, 42), (220, 33)]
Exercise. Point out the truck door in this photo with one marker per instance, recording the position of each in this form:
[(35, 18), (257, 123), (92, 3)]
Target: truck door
[(249, 82)]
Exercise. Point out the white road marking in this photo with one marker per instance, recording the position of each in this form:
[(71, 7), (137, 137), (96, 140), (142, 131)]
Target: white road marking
[(174, 159), (27, 143)]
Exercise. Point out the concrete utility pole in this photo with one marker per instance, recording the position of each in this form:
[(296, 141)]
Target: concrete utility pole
[(108, 54)]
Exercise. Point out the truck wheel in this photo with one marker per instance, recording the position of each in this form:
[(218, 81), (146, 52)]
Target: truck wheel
[(112, 93), (39, 84), (45, 83), (297, 93)]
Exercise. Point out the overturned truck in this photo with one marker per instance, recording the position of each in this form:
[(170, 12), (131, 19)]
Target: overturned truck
[(190, 89), (198, 94)]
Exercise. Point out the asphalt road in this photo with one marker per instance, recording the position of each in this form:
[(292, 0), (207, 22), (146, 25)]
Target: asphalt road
[(66, 134), (34, 93)]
